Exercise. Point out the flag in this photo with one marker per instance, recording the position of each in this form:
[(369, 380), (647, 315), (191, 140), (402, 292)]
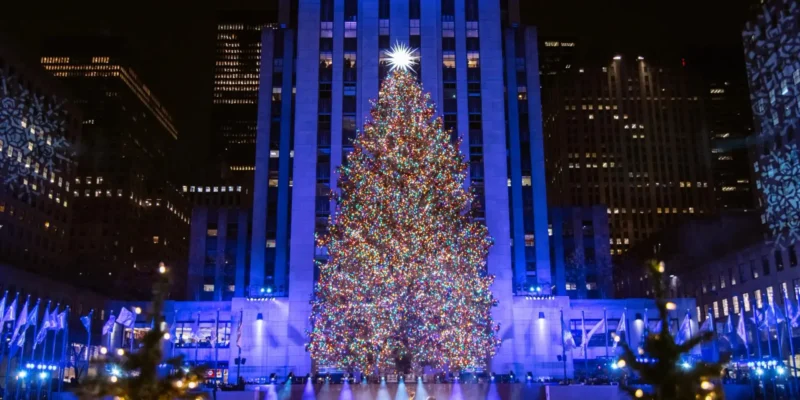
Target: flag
[(741, 330), (706, 327), (61, 320), (10, 313), (196, 328), (239, 332), (569, 341), (729, 325), (32, 319), (109, 325), (41, 334), (21, 321), (86, 320), (685, 329), (584, 341), (621, 324), (595, 329), (759, 319), (2, 310), (126, 318)]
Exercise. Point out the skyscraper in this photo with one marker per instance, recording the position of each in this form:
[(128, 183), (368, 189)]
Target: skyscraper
[(39, 131), (628, 134), (771, 42), (127, 217), (237, 66)]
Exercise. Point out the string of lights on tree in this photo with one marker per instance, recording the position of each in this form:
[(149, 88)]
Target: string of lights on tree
[(405, 282), (32, 129)]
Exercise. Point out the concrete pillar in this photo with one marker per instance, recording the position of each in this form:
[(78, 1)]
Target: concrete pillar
[(517, 208), (282, 226), (398, 21), (461, 81), (301, 247), (367, 59), (538, 183), (197, 251), (431, 49), (495, 177), (261, 184)]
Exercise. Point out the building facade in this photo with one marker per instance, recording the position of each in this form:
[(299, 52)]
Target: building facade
[(725, 263), (771, 42), (579, 248), (128, 217), (629, 134), (40, 129)]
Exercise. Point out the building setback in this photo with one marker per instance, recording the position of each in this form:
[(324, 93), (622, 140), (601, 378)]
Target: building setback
[(127, 216), (628, 134)]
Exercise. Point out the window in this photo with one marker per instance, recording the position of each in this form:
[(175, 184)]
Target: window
[(759, 300), (326, 29), (184, 336), (383, 27), (725, 307), (572, 286), (770, 298), (716, 309), (211, 232), (722, 281), (733, 276), (765, 265), (449, 59), (155, 239), (472, 29), (350, 29), (735, 304), (208, 288), (746, 300), (473, 59), (413, 27), (778, 260), (792, 256), (270, 243), (753, 269), (448, 29)]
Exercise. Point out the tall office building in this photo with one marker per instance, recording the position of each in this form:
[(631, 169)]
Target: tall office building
[(771, 41), (127, 215), (39, 130), (730, 123), (237, 65), (628, 134), (318, 73)]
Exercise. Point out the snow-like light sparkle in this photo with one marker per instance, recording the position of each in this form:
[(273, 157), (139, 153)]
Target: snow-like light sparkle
[(401, 57)]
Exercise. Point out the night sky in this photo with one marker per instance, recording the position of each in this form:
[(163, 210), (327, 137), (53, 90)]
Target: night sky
[(174, 40)]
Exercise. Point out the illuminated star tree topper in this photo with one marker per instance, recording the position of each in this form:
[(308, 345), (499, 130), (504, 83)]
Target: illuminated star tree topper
[(401, 57)]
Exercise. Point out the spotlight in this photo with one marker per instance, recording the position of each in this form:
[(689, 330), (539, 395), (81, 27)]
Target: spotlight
[(103, 350), (290, 377), (260, 317), (638, 316), (686, 365), (22, 374), (42, 375), (120, 352), (618, 57), (492, 377), (780, 370), (529, 377), (541, 314), (401, 379), (162, 269), (137, 310), (759, 371), (262, 290), (419, 379), (269, 289), (383, 379), (273, 378)]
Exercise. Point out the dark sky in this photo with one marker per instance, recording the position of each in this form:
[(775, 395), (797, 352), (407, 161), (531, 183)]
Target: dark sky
[(174, 39)]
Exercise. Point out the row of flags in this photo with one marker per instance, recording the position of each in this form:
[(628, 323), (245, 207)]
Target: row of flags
[(52, 320)]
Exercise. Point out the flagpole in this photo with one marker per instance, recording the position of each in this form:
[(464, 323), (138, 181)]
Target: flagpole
[(585, 344), (173, 329), (757, 332), (36, 342), (196, 337), (743, 315), (215, 338), (64, 340), (627, 327), (8, 360), (605, 329), (239, 345), (25, 343), (714, 348), (769, 333), (788, 322), (53, 354), (3, 328), (563, 347)]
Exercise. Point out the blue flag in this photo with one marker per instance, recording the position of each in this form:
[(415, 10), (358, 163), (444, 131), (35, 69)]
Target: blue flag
[(86, 320)]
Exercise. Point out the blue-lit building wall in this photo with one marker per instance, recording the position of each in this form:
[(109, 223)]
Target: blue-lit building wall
[(771, 43)]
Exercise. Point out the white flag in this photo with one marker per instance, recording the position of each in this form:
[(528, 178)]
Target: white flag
[(741, 330), (126, 318), (10, 313), (595, 329), (621, 324)]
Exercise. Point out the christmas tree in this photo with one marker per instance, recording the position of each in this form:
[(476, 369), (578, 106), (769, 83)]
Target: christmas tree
[(405, 285), (135, 375), (666, 376)]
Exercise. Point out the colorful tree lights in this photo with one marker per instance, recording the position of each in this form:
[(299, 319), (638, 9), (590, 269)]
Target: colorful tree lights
[(405, 284)]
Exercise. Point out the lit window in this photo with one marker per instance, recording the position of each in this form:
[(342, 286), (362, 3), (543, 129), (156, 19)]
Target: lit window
[(526, 181), (449, 59), (472, 28), (473, 59), (383, 27), (448, 29), (735, 304), (716, 309), (759, 300), (725, 307), (231, 288), (770, 298), (155, 239), (413, 27), (529, 240), (211, 232), (208, 288), (746, 300), (273, 154), (350, 29), (273, 183), (270, 243), (326, 29)]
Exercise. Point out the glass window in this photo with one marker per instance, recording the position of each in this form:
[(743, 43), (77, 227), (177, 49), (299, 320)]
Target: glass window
[(449, 59), (770, 296), (725, 307), (413, 27), (472, 29), (448, 29), (350, 29), (733, 276), (753, 269), (208, 288), (765, 264), (473, 59), (326, 29), (778, 260), (735, 301), (759, 300), (716, 309), (184, 336), (792, 256), (746, 301), (722, 281), (383, 27), (742, 273)]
